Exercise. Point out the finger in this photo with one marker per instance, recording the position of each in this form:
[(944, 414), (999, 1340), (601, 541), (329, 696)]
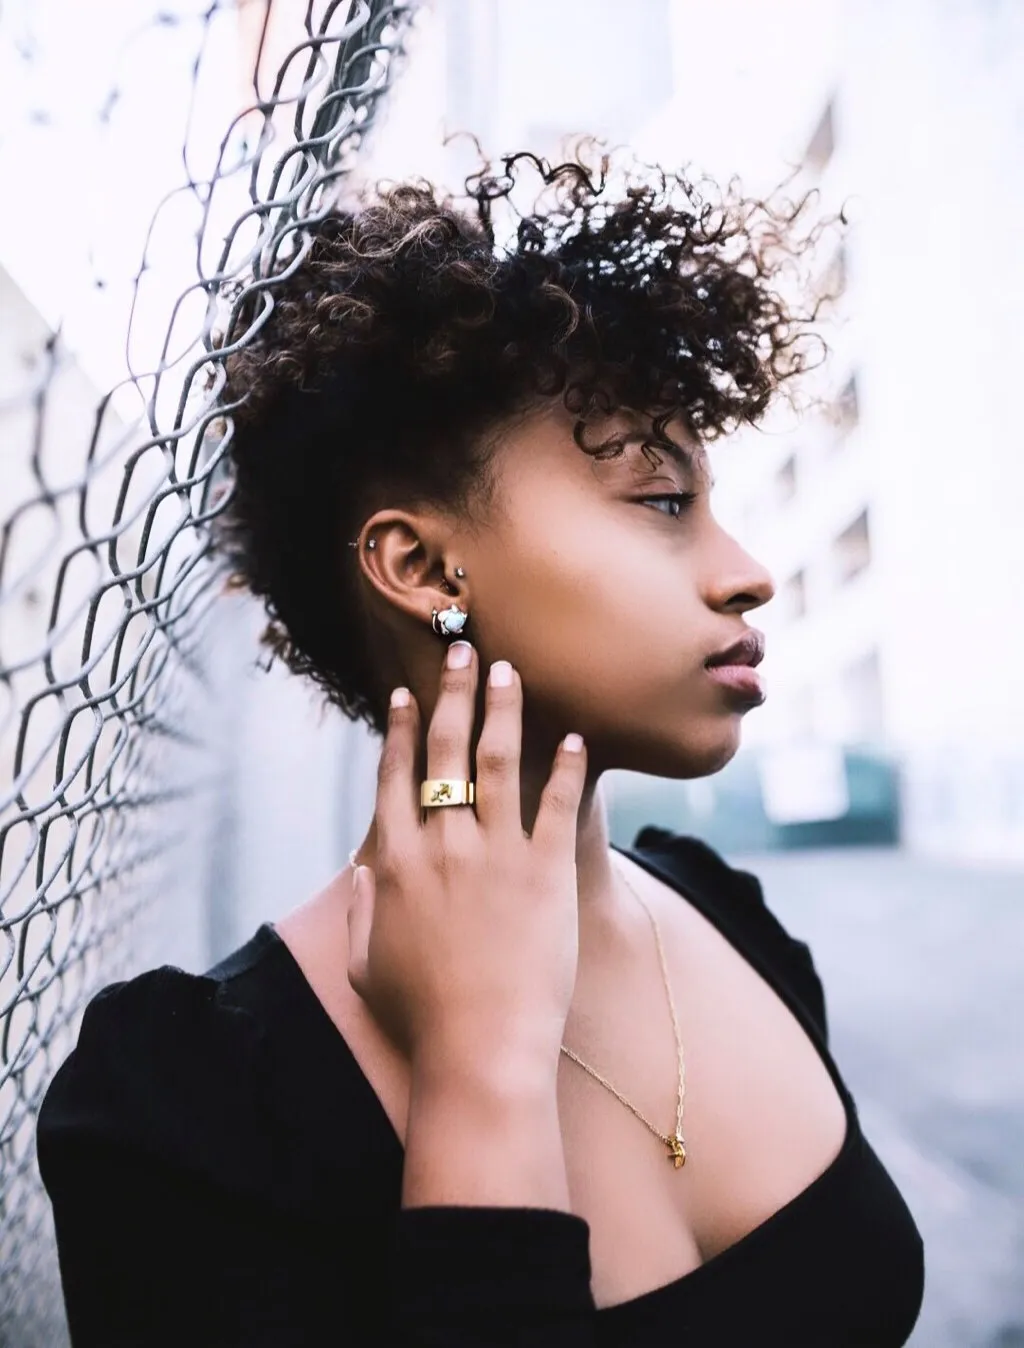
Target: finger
[(451, 725), (360, 920), (397, 807), (499, 751), (558, 811)]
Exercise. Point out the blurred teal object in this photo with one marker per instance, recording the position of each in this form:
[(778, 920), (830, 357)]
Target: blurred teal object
[(730, 810)]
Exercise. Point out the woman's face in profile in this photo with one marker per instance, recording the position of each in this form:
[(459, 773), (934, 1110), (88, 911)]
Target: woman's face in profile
[(608, 603)]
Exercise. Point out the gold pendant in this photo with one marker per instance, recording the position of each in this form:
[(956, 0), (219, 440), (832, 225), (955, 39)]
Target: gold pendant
[(676, 1150)]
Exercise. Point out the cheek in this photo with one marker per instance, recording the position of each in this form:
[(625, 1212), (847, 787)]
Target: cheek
[(582, 585), (593, 610), (596, 636)]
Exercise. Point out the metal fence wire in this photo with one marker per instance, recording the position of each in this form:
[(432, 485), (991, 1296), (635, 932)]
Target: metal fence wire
[(107, 584)]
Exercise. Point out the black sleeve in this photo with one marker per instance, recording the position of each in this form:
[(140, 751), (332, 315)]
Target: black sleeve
[(492, 1276), (164, 1236)]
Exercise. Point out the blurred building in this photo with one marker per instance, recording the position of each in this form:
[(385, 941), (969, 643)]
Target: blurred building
[(887, 513), (890, 515)]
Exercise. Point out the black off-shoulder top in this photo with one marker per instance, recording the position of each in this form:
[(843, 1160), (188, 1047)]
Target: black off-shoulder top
[(222, 1173)]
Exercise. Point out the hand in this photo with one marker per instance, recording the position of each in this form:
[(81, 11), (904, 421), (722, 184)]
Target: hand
[(464, 943)]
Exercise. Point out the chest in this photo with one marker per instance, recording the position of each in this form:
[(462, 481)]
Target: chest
[(762, 1117)]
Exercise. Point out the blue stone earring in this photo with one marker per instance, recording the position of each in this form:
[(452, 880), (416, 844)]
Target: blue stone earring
[(449, 622)]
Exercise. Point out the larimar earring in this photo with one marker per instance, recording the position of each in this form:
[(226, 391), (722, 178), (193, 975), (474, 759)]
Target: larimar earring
[(449, 622)]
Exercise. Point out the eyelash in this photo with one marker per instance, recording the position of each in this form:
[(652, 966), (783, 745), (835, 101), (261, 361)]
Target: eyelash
[(685, 498)]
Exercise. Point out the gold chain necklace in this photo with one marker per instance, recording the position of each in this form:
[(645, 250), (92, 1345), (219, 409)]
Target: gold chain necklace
[(674, 1142)]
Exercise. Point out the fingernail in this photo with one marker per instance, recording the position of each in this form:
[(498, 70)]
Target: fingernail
[(400, 697), (573, 743), (459, 654), (501, 674)]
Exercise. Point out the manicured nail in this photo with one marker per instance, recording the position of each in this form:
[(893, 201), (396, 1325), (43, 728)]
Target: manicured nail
[(573, 743), (501, 674), (400, 697), (459, 654)]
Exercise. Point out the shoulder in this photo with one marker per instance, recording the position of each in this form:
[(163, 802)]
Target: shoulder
[(735, 898), (699, 863), (166, 1063)]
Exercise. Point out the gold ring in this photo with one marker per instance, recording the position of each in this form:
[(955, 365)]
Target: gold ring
[(439, 791)]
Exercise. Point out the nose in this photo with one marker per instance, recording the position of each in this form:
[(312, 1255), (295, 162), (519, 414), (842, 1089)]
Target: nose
[(736, 581)]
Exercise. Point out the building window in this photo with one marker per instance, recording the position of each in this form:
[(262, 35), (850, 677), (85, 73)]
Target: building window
[(832, 286), (823, 142), (785, 480), (861, 686), (794, 595), (852, 549), (844, 414)]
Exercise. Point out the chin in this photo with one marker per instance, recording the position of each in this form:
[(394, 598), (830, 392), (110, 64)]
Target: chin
[(690, 755), (709, 759)]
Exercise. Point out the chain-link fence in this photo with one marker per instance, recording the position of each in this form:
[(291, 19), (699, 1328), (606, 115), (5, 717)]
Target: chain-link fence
[(107, 581)]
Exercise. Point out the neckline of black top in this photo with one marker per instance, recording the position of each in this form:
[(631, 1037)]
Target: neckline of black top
[(714, 1266)]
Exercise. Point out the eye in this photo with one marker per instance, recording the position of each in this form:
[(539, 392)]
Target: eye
[(680, 498)]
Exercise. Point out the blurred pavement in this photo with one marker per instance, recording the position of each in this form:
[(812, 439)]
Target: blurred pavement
[(923, 967)]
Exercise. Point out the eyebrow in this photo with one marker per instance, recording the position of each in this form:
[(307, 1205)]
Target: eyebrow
[(690, 460)]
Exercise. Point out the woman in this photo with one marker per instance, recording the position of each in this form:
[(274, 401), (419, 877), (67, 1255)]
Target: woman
[(434, 1103)]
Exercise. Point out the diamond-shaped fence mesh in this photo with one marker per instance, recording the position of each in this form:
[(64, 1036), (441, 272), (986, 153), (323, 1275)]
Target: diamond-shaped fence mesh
[(107, 579)]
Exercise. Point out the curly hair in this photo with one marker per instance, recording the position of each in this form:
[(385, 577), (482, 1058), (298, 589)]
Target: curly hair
[(405, 336)]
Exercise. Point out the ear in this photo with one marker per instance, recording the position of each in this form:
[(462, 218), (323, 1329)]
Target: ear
[(412, 565)]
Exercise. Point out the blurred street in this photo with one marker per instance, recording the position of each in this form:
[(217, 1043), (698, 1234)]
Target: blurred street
[(921, 966)]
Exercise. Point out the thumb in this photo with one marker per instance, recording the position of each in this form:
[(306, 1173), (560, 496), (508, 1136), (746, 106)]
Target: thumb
[(360, 920)]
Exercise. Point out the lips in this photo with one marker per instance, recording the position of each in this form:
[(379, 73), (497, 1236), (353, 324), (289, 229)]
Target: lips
[(733, 667), (748, 650)]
